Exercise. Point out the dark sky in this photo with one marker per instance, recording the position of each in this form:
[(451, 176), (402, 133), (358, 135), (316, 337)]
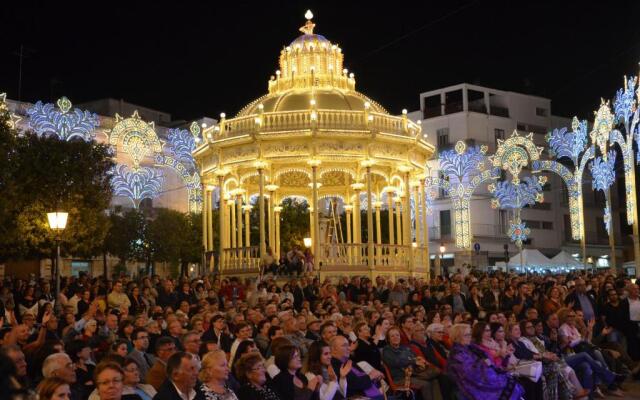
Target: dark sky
[(200, 58)]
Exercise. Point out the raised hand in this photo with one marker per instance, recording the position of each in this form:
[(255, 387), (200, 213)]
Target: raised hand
[(46, 317), (345, 369), (332, 374)]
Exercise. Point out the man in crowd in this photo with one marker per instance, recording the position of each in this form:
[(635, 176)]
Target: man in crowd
[(140, 338), (165, 348)]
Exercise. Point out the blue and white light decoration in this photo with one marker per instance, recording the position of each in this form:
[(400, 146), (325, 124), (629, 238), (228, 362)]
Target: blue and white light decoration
[(62, 122), (604, 174), (137, 184), (180, 144), (508, 195), (464, 170)]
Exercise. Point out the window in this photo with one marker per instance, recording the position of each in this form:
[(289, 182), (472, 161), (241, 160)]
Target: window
[(441, 192), (521, 127), (546, 206), (503, 216), (567, 228), (532, 224), (548, 225), (445, 223), (443, 137), (541, 112), (499, 134)]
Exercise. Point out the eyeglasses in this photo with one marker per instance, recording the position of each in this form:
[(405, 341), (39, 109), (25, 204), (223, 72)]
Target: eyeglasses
[(134, 369), (114, 381), (258, 367)]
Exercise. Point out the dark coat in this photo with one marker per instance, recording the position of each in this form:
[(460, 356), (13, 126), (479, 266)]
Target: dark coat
[(168, 392), (225, 340)]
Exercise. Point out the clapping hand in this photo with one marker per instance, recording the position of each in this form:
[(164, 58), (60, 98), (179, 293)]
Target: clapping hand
[(331, 373), (46, 317), (316, 381), (345, 369)]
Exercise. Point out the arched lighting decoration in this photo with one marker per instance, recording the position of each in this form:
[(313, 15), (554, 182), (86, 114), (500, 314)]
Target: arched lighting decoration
[(604, 174), (572, 145), (627, 117), (512, 156), (180, 144), (62, 122), (138, 139), (136, 184), (464, 171)]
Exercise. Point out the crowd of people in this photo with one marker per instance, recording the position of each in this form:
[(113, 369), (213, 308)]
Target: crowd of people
[(479, 336)]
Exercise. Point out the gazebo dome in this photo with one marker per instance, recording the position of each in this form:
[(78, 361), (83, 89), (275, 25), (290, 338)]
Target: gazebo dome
[(311, 69), (325, 98)]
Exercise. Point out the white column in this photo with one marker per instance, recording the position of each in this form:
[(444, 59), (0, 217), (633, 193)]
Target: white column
[(263, 245), (390, 215), (316, 224), (221, 227), (370, 247)]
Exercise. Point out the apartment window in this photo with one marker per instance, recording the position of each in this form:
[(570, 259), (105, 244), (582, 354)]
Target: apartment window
[(445, 223), (443, 137), (503, 217), (541, 112), (532, 224), (521, 127), (499, 135), (548, 225), (545, 206)]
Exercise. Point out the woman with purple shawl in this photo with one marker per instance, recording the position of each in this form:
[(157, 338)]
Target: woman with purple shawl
[(475, 374)]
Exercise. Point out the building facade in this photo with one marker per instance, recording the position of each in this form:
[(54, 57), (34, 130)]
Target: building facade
[(481, 116)]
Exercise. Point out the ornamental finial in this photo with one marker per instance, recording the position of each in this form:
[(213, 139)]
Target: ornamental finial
[(307, 29)]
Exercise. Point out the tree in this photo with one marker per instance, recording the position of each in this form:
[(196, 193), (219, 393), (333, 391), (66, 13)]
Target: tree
[(295, 223), (126, 236), (45, 174), (176, 238)]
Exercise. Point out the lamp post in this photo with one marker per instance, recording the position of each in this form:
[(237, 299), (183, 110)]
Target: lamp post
[(442, 249), (57, 222)]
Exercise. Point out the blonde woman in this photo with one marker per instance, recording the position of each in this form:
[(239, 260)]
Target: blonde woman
[(214, 375)]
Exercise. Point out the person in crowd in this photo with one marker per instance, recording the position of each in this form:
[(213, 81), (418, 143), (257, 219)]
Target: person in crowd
[(288, 359), (145, 361), (109, 378), (131, 381), (182, 379), (117, 298), (214, 376), (251, 372), (53, 389), (359, 383), (318, 364), (474, 373), (365, 349), (165, 348)]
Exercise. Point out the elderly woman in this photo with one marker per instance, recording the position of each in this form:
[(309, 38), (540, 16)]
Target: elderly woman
[(251, 372), (437, 353), (474, 373), (109, 379), (214, 375), (398, 359)]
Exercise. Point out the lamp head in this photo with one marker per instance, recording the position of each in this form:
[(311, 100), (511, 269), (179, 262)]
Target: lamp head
[(57, 220)]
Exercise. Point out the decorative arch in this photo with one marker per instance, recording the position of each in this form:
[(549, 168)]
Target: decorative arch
[(514, 154), (348, 171), (136, 137), (281, 172)]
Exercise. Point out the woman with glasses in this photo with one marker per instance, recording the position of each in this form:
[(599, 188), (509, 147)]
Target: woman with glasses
[(80, 353), (252, 374), (474, 373), (131, 381), (436, 351), (214, 376), (288, 360), (109, 379)]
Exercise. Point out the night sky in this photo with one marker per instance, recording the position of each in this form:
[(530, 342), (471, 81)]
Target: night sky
[(198, 59)]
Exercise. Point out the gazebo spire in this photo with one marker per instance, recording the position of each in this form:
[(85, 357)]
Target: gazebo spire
[(307, 29)]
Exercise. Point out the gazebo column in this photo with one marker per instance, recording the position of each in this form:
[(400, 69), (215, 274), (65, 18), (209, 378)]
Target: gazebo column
[(263, 246), (390, 217), (209, 205), (276, 213), (247, 227), (357, 230), (205, 228), (416, 205), (234, 236), (399, 241), (406, 223), (227, 226), (316, 226), (272, 226), (378, 205), (312, 231), (239, 227), (370, 247), (221, 227), (347, 210), (425, 230)]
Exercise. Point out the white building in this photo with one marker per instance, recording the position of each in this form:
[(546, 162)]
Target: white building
[(480, 116)]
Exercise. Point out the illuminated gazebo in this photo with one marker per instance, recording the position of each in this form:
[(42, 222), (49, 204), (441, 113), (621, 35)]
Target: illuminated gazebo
[(313, 136)]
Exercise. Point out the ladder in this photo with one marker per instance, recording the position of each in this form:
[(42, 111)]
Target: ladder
[(334, 236)]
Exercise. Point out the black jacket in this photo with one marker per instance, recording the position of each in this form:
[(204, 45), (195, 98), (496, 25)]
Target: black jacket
[(225, 340), (168, 392)]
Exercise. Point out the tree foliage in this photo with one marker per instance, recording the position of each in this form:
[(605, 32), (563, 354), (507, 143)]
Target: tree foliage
[(44, 174)]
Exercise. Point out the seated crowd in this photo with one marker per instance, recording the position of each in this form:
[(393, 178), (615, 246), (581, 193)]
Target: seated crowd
[(479, 336)]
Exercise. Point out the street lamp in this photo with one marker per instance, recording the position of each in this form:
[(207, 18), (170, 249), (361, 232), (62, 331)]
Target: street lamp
[(57, 222), (307, 242)]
